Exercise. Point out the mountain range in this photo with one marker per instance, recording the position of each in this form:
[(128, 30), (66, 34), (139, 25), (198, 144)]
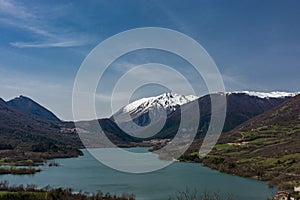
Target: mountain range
[(139, 111), (24, 123), (241, 106)]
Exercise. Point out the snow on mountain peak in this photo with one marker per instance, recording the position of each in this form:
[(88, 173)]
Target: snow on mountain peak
[(275, 94), (166, 101)]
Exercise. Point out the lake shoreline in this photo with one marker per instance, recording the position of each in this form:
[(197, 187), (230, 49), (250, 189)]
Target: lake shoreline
[(99, 176), (10, 159), (50, 156), (19, 162)]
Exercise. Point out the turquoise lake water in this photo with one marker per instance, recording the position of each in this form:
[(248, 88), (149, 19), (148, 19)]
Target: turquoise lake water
[(87, 174)]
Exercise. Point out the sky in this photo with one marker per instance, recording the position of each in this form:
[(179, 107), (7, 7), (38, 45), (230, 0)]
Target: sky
[(255, 44)]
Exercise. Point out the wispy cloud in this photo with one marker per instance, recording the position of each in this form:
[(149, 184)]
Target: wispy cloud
[(19, 23), (46, 45), (173, 17), (17, 11), (15, 14)]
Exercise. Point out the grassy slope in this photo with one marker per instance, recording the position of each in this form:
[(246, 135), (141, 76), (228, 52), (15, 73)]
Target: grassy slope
[(266, 147)]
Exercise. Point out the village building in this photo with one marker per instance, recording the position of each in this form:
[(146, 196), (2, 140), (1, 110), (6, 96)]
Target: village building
[(282, 195)]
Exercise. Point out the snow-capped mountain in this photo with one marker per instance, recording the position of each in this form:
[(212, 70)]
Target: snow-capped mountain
[(166, 101), (162, 112), (139, 111), (275, 94), (163, 105)]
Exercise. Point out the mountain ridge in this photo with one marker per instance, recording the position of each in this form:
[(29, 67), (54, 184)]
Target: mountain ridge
[(183, 99), (29, 106), (240, 107), (27, 139), (273, 94)]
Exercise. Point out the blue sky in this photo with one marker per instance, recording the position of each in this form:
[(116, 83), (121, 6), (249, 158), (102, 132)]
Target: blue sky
[(255, 44)]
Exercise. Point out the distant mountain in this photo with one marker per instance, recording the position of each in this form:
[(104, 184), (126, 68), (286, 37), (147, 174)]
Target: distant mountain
[(137, 111), (22, 129), (241, 106), (275, 94), (28, 138), (167, 101), (29, 106), (150, 110), (266, 147), (286, 114), (26, 126)]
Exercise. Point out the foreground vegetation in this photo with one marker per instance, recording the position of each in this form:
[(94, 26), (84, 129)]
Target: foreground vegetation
[(27, 154), (195, 195), (30, 192), (18, 171)]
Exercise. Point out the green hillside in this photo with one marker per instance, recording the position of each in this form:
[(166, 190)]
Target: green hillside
[(266, 147)]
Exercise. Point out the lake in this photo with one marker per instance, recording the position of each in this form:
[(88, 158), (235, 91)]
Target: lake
[(87, 174)]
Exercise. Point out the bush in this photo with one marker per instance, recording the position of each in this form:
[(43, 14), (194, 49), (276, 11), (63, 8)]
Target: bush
[(194, 195), (32, 193), (5, 146)]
